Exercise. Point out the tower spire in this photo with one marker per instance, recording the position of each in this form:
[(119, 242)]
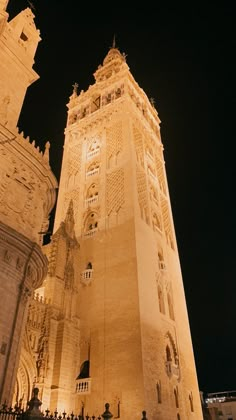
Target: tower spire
[(114, 41), (31, 5), (69, 219)]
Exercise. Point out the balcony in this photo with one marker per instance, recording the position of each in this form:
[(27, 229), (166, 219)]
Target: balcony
[(93, 153), (90, 233), (86, 276), (92, 173), (83, 386), (91, 200)]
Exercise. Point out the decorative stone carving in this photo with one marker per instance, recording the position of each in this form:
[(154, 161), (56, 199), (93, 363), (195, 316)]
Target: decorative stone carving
[(69, 275), (114, 143), (27, 186), (7, 257), (172, 357), (142, 194), (42, 359), (139, 148), (115, 197), (167, 224)]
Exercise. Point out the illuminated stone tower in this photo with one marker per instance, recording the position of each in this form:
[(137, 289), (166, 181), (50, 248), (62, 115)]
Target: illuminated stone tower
[(135, 344)]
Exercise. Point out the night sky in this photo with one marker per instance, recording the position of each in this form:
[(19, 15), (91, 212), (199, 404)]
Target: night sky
[(183, 57)]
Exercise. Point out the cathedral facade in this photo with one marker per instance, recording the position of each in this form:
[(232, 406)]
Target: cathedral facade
[(27, 194), (109, 323)]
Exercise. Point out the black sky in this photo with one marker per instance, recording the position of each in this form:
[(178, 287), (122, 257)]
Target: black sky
[(183, 57)]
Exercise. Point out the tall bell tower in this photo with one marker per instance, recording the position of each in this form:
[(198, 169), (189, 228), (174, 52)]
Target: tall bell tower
[(135, 343)]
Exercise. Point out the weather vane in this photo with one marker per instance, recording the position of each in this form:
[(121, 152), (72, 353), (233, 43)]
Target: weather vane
[(31, 5), (75, 88), (152, 100)]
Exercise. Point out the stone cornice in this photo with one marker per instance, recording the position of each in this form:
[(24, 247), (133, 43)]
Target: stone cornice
[(24, 257), (93, 119), (27, 149)]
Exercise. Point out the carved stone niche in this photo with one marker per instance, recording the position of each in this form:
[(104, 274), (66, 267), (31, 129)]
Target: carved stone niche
[(22, 262), (27, 185)]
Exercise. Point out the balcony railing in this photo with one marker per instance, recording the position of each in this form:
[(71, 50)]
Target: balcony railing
[(93, 172), (90, 201), (93, 153), (90, 232), (83, 386), (86, 276)]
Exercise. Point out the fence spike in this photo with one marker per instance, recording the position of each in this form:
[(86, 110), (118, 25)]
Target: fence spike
[(144, 415)]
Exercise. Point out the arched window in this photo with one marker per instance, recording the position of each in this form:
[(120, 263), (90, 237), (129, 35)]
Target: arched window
[(158, 392), (176, 394), (191, 401), (92, 191), (91, 222), (93, 169), (87, 274), (161, 300), (156, 221), (161, 261), (94, 148), (168, 354), (170, 306), (84, 370)]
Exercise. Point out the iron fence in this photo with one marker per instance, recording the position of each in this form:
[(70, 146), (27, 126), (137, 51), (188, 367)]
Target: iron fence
[(33, 413), (10, 413)]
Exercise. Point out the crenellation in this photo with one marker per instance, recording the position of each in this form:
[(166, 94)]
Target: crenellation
[(19, 39), (24, 167)]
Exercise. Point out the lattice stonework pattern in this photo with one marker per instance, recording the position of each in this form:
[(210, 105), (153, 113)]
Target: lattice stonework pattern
[(115, 198), (74, 163), (167, 223), (138, 142), (114, 139), (160, 175), (142, 193)]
